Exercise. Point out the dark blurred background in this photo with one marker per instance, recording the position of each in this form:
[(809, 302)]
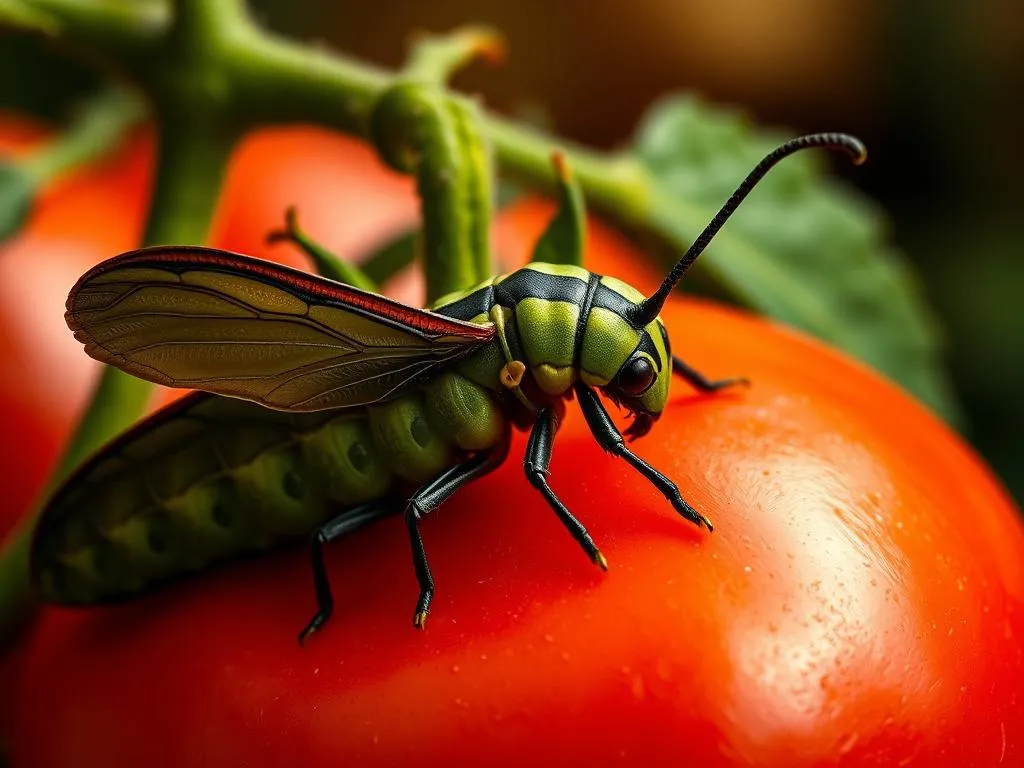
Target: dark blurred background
[(934, 88)]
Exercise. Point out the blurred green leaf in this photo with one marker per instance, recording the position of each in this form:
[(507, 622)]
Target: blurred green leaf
[(801, 249), (17, 191)]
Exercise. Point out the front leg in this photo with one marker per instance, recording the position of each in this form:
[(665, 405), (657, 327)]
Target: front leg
[(536, 463), (429, 498), (699, 381), (609, 438)]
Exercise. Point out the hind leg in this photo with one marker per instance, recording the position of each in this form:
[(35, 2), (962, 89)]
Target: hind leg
[(344, 523)]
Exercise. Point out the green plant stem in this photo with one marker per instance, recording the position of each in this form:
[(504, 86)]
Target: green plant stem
[(192, 157), (419, 129), (199, 21), (264, 86), (324, 262), (275, 80), (565, 239)]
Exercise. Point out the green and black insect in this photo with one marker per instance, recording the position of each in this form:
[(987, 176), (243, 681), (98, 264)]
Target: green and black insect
[(339, 400)]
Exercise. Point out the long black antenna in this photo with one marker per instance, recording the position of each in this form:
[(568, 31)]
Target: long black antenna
[(649, 308)]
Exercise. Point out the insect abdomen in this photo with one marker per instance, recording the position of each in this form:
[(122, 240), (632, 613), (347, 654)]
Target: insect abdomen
[(214, 478)]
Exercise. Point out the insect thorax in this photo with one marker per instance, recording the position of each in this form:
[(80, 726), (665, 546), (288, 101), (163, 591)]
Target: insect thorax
[(562, 321)]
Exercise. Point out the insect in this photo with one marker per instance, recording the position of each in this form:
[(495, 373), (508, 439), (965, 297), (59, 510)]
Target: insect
[(338, 401)]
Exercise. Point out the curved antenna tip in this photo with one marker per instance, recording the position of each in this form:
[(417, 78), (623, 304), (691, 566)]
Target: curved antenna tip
[(853, 146), (649, 308), (856, 148)]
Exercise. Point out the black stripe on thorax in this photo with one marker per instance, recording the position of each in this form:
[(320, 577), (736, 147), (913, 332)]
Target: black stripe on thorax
[(608, 299), (530, 284), (581, 323), (479, 302), (515, 346)]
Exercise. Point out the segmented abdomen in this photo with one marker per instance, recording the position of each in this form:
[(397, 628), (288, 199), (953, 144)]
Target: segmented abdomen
[(212, 478)]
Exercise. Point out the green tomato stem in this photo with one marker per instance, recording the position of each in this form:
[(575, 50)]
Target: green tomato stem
[(271, 79), (202, 21), (422, 130)]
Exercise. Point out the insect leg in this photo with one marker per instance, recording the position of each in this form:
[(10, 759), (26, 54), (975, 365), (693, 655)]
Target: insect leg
[(536, 463), (344, 523), (699, 381), (610, 439), (429, 498)]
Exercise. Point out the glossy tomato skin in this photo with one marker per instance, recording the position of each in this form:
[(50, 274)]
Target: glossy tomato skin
[(343, 193), (861, 602)]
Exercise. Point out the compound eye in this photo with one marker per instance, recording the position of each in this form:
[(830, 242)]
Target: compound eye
[(636, 376)]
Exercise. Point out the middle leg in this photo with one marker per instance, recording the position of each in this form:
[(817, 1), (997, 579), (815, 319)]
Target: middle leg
[(429, 498)]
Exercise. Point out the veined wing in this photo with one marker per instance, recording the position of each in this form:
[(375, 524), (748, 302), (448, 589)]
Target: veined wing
[(243, 327)]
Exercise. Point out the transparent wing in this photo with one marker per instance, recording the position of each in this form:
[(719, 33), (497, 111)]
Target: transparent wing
[(220, 322)]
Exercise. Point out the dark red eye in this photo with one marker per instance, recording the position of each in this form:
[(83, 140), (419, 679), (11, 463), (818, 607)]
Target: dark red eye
[(636, 376)]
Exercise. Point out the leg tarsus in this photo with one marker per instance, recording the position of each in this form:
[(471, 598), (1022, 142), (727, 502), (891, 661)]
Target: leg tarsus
[(609, 438), (422, 567), (322, 585), (702, 383)]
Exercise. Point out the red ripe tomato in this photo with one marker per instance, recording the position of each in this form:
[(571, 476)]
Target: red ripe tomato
[(861, 602)]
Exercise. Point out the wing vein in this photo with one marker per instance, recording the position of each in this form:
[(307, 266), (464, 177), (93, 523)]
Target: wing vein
[(233, 317)]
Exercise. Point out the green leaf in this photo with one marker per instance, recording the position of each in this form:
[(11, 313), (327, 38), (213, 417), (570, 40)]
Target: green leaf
[(802, 248)]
